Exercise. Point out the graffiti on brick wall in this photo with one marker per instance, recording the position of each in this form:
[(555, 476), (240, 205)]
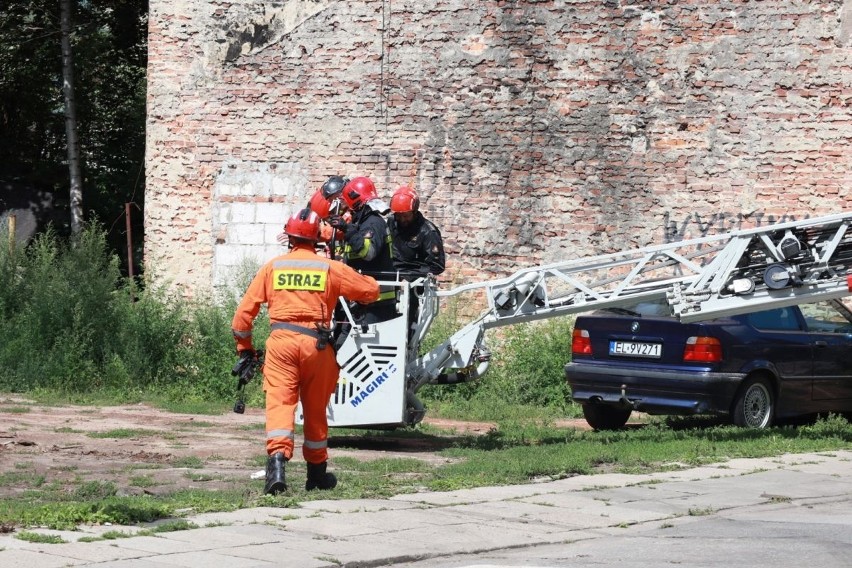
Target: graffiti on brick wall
[(697, 225)]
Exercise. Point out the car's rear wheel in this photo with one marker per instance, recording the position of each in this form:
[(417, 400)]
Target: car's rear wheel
[(605, 417), (754, 406)]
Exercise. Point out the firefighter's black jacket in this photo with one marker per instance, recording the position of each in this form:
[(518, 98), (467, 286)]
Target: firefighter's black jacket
[(418, 248)]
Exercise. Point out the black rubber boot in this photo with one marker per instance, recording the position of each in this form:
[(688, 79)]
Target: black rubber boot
[(318, 478), (275, 474)]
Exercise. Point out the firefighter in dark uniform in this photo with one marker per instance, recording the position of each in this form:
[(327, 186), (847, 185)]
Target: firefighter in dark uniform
[(367, 244), (418, 249)]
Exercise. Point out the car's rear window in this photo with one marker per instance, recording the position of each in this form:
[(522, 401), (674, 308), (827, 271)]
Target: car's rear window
[(656, 307), (653, 309), (780, 319)]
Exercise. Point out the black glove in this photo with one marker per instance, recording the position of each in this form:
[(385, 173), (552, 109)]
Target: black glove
[(244, 368), (336, 221), (348, 229)]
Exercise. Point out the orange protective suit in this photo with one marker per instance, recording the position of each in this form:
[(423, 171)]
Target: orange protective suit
[(300, 288)]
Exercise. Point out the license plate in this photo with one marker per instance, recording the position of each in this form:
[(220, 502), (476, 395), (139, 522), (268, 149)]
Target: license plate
[(635, 349)]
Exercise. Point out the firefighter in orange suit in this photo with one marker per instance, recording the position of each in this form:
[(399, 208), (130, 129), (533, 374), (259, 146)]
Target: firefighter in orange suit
[(301, 289)]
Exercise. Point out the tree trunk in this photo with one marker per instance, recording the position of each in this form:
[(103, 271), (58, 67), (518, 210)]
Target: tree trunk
[(76, 192)]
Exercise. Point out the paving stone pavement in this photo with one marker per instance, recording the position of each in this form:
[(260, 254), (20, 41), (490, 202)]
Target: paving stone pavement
[(573, 521)]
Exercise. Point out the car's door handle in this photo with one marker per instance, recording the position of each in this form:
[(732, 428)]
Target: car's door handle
[(821, 343)]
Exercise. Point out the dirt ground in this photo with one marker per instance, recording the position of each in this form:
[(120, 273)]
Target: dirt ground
[(141, 449)]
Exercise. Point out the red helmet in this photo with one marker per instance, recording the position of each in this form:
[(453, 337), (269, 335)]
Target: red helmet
[(303, 224), (359, 191), (319, 204), (404, 200)]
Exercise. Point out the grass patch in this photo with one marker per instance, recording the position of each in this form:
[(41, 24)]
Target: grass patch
[(197, 424), (58, 510), (109, 535), (200, 477), (142, 481), (123, 433), (21, 478), (40, 538), (67, 430), (16, 409), (779, 499), (95, 490), (170, 526), (191, 462), (516, 452)]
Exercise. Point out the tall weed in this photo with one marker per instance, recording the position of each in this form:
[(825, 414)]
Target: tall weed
[(70, 323), (529, 361), (527, 370), (58, 319)]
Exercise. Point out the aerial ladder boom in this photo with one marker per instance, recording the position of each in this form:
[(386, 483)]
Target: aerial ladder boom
[(721, 275)]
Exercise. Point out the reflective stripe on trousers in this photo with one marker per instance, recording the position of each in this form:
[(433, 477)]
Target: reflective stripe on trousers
[(316, 445), (281, 433)]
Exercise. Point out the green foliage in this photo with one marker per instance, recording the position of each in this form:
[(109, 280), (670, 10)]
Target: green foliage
[(832, 426), (95, 490), (526, 372), (109, 46), (529, 363), (66, 515), (29, 88), (55, 312), (71, 324)]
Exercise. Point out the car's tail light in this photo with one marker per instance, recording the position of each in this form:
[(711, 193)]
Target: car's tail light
[(580, 342), (703, 350)]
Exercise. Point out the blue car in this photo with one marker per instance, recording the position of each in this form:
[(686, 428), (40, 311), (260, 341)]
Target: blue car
[(755, 368)]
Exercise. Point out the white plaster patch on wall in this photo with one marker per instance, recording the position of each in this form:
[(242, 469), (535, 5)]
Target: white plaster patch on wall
[(252, 201)]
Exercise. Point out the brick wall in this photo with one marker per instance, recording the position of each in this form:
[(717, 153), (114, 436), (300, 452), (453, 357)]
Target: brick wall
[(534, 130)]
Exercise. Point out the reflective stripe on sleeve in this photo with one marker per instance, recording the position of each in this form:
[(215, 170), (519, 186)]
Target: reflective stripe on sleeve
[(316, 445), (241, 334), (353, 254), (279, 434)]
